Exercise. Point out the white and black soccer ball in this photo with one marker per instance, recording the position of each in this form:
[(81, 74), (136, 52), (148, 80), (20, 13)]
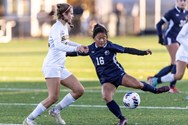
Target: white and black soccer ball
[(131, 100)]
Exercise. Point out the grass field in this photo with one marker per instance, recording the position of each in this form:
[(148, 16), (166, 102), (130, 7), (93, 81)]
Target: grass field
[(22, 86)]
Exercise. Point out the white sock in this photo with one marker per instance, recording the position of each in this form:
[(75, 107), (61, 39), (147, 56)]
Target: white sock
[(167, 78), (36, 112), (66, 101)]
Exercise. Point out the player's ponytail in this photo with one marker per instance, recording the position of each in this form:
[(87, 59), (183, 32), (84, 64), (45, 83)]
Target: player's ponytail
[(64, 8)]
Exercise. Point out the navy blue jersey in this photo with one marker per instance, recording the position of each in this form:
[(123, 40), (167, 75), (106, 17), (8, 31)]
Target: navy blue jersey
[(107, 67), (176, 19)]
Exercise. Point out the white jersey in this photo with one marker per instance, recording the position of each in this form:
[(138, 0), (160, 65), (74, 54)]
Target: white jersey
[(182, 38), (59, 44)]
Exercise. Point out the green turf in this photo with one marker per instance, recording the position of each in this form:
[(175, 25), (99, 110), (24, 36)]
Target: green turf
[(22, 85)]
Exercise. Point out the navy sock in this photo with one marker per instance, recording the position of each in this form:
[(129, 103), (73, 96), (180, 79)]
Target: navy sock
[(173, 71), (164, 71), (114, 108), (148, 87)]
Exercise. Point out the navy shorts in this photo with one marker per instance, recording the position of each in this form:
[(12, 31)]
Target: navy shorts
[(116, 79), (170, 40)]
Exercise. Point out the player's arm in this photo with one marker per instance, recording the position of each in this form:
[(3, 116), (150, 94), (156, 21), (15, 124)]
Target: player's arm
[(160, 24), (121, 49), (136, 51), (160, 31)]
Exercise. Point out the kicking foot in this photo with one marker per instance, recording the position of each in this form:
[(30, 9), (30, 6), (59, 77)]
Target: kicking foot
[(163, 89)]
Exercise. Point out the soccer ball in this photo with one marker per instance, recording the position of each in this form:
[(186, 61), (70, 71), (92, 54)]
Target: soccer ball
[(131, 100)]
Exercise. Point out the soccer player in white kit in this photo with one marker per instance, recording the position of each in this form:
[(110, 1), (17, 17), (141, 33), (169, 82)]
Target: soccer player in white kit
[(54, 69), (181, 58)]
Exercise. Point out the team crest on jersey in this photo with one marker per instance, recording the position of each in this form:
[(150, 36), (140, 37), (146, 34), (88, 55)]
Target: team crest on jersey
[(64, 37), (177, 15), (107, 52)]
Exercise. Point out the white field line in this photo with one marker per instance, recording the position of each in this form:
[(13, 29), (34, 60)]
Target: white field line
[(9, 124), (97, 106)]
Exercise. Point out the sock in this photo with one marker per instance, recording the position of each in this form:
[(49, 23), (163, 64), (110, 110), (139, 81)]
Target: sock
[(36, 112), (66, 101), (167, 78), (173, 71), (164, 71), (114, 108), (148, 87)]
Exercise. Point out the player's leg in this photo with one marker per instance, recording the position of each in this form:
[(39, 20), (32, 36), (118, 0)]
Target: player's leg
[(72, 83), (108, 91), (130, 81), (181, 66), (173, 88), (172, 49), (180, 70), (53, 85)]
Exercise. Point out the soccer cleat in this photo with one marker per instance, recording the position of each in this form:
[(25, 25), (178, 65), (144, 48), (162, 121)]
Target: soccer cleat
[(173, 90), (163, 89), (57, 117), (122, 122), (25, 122), (149, 77), (153, 81)]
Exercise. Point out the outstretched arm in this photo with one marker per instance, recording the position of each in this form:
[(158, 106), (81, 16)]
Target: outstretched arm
[(137, 52)]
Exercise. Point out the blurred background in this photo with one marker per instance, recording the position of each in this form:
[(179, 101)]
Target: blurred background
[(33, 18)]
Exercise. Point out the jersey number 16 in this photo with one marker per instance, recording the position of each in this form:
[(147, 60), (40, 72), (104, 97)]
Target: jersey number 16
[(100, 60)]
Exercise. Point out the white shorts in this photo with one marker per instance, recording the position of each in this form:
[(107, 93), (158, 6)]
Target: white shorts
[(182, 55), (56, 72)]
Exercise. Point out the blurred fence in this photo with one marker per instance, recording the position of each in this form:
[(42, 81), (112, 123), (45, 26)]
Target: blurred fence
[(120, 17)]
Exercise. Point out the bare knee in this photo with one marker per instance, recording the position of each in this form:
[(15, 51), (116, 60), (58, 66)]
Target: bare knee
[(106, 98), (53, 99), (78, 93)]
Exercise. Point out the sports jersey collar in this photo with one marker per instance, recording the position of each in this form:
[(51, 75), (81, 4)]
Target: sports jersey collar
[(103, 46), (179, 9)]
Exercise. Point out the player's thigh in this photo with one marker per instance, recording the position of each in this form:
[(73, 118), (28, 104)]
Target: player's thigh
[(130, 81), (53, 85), (172, 49), (72, 83)]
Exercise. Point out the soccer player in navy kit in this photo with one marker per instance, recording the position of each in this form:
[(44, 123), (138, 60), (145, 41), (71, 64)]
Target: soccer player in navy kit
[(176, 18), (110, 72)]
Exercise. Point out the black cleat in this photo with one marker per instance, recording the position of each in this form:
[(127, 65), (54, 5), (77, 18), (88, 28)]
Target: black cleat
[(122, 122), (163, 89)]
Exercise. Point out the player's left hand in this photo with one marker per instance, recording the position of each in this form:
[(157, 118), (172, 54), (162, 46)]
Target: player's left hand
[(149, 52)]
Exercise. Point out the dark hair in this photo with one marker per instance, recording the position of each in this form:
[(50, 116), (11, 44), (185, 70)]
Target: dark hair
[(63, 8), (98, 28)]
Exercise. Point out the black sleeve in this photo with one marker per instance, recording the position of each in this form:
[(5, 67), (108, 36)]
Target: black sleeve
[(159, 27), (73, 54), (135, 51)]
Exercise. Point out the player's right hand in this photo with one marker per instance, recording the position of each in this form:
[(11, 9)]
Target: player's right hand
[(161, 40)]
